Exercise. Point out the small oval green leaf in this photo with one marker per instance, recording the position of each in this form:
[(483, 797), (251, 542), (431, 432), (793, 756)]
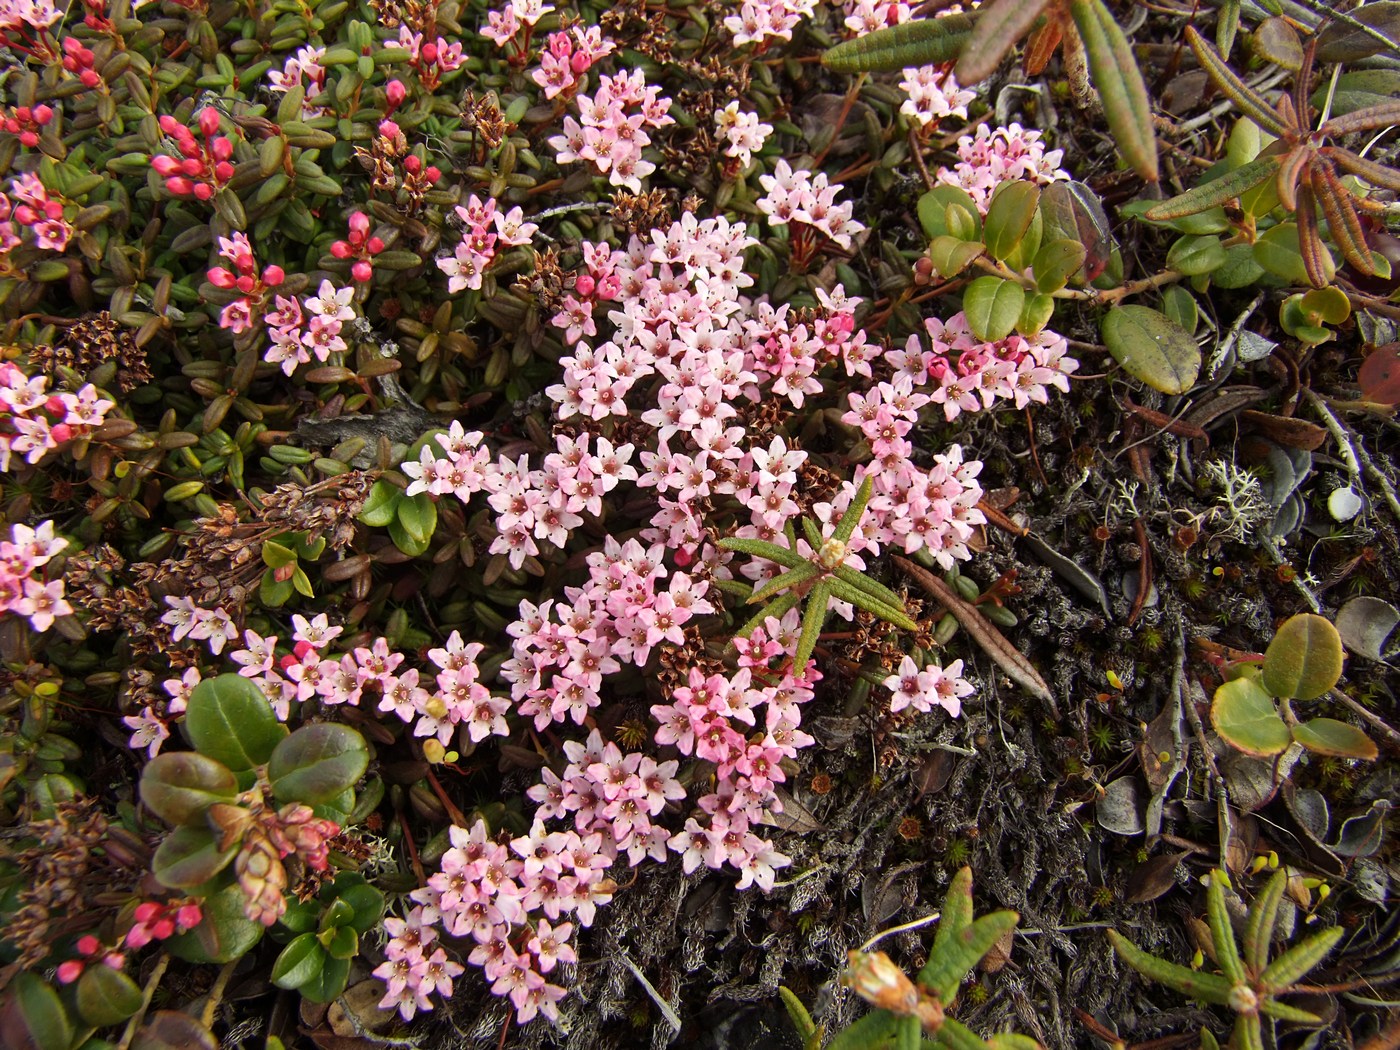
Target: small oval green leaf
[(1153, 348), (1245, 717), (993, 306), (1305, 658)]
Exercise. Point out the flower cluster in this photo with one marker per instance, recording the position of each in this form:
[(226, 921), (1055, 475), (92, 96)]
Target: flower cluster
[(762, 21), (489, 891), (609, 132), (33, 421), (800, 197), (484, 229), (155, 921), (310, 326), (33, 210), (561, 653), (25, 553), (92, 950), (743, 133), (24, 123), (519, 15), (933, 93), (243, 278), (269, 837), (79, 60), (563, 60), (969, 375), (303, 70), (430, 58), (616, 795), (199, 170), (990, 157), (361, 247), (19, 19), (413, 969), (922, 688), (187, 620), (599, 283)]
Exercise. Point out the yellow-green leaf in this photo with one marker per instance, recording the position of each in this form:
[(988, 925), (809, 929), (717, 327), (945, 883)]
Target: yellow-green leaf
[(1153, 348), (1305, 658), (1245, 717)]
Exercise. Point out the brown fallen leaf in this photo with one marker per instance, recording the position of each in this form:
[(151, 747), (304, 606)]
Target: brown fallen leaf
[(984, 633), (1286, 430), (1152, 878)]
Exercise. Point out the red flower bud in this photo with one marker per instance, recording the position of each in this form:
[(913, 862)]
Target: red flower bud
[(362, 271), (430, 53), (340, 249), (395, 93), (273, 275), (433, 173), (585, 285), (375, 245), (203, 191), (90, 78), (209, 121), (165, 166), (412, 164), (245, 284), (359, 223), (220, 278), (181, 187)]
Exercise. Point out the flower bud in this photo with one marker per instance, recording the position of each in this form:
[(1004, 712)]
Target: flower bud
[(273, 275), (203, 191), (876, 979), (430, 53), (375, 245), (395, 93), (359, 223), (362, 271), (209, 121), (585, 285), (340, 249)]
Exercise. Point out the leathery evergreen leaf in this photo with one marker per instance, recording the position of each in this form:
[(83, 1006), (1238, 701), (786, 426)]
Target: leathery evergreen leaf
[(999, 26), (1227, 954), (1210, 987), (785, 556), (1251, 103), (1216, 192), (791, 578), (846, 527), (1263, 916), (1290, 967), (921, 42), (1118, 80), (813, 618), (890, 614)]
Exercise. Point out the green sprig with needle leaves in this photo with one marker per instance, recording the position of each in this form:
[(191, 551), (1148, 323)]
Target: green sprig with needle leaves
[(818, 579)]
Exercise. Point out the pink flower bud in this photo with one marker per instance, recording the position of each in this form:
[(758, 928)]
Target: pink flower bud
[(203, 191), (70, 971), (585, 285), (430, 53), (362, 271), (223, 171), (388, 129), (359, 223), (189, 916), (43, 114), (168, 124), (375, 245), (433, 173), (273, 275), (395, 93), (148, 910), (340, 249), (412, 164), (222, 148), (245, 284), (220, 278), (191, 166), (164, 165), (90, 78), (209, 121), (181, 187), (55, 406), (580, 62)]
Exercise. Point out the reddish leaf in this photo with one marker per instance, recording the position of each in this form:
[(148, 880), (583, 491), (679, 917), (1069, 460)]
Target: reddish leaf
[(1379, 377)]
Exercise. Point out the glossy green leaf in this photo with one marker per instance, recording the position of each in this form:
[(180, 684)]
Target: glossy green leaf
[(1245, 717), (224, 934), (327, 983), (1056, 262), (317, 763), (1179, 305), (36, 1010), (1327, 736), (416, 521), (341, 942), (1035, 314), (106, 996), (275, 555), (1278, 251), (298, 962), (993, 306), (1153, 348), (1196, 255), (189, 857), (1347, 41), (381, 505), (951, 256), (229, 720), (1305, 658), (938, 203), (1013, 206), (178, 786)]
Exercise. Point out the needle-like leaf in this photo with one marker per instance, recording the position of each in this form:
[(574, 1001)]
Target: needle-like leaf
[(1254, 105), (1375, 174), (792, 578), (1289, 968), (1342, 220), (1209, 987), (865, 583), (784, 556), (813, 619), (1216, 192), (846, 527), (1227, 954), (846, 593), (1263, 915)]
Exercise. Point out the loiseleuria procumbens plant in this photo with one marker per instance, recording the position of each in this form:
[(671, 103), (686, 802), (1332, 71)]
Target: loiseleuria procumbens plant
[(819, 578)]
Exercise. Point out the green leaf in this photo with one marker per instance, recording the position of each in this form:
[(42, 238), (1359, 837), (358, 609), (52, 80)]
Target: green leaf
[(179, 786), (229, 720), (366, 904), (224, 934), (874, 588), (272, 591), (189, 857), (992, 306), (1153, 348), (951, 255), (917, 43), (106, 996), (843, 591), (1227, 953), (938, 203), (960, 952), (417, 517), (784, 556), (275, 556), (1245, 717), (1283, 1012), (1118, 80), (342, 942), (41, 1013), (1305, 658), (328, 983), (1278, 251), (797, 1013), (1240, 269), (846, 526), (1290, 967), (955, 917), (1196, 255), (381, 505), (1009, 216), (1344, 41), (777, 608), (1327, 736), (317, 763), (999, 25), (1208, 987), (1179, 305), (1056, 262), (1216, 192), (1036, 314), (298, 962), (877, 1030), (1260, 922), (813, 618), (1250, 102), (783, 581)]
